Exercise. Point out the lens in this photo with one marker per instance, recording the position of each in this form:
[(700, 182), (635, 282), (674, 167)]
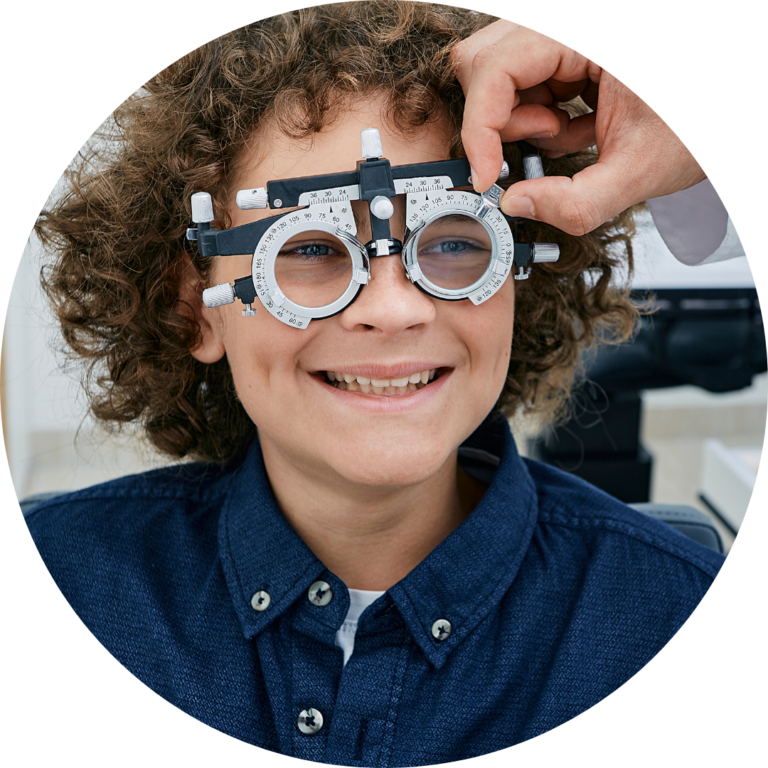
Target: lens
[(454, 251), (313, 269)]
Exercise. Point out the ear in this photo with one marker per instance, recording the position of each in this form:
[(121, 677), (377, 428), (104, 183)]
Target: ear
[(211, 347)]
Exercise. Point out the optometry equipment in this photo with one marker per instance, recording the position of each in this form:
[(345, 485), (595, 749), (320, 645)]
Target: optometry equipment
[(308, 264)]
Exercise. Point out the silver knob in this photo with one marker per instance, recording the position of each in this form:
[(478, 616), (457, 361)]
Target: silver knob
[(503, 174), (533, 167), (489, 200), (370, 142), (522, 273), (381, 207), (202, 208), (248, 199), (545, 252), (219, 295)]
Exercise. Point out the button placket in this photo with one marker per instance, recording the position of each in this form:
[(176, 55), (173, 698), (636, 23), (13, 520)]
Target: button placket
[(311, 720)]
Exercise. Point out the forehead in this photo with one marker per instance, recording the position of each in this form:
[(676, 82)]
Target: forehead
[(273, 155)]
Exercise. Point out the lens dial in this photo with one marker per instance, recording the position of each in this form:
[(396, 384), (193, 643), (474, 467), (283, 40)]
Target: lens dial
[(452, 253), (310, 265)]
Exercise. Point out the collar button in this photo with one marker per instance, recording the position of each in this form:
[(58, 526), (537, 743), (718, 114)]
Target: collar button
[(320, 593), (260, 601), (441, 630)]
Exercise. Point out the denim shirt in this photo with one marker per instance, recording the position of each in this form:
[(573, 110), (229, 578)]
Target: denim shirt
[(547, 598)]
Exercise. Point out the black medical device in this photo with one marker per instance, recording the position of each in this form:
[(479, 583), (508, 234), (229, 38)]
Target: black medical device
[(308, 264)]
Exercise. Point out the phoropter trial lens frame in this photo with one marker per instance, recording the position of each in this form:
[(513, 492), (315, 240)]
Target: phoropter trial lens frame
[(431, 194)]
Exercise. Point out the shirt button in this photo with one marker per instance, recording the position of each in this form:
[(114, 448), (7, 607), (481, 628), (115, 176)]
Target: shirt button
[(310, 721), (441, 629), (320, 593), (260, 601)]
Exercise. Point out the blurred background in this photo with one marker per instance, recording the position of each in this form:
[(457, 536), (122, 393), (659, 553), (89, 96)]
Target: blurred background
[(677, 416)]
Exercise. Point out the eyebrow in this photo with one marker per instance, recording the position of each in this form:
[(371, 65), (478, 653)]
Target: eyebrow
[(362, 218), (454, 218)]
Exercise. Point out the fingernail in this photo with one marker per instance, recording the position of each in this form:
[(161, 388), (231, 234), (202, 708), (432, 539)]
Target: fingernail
[(518, 206), (543, 135), (473, 176)]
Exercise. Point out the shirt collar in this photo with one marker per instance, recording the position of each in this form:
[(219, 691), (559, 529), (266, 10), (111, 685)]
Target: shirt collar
[(462, 580)]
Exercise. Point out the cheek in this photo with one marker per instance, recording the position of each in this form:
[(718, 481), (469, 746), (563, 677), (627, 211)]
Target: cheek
[(492, 326), (262, 354), (492, 335)]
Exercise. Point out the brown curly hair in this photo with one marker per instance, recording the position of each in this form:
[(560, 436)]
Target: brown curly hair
[(118, 233)]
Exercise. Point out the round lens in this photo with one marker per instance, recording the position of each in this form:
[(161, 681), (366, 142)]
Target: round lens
[(454, 251), (313, 269)]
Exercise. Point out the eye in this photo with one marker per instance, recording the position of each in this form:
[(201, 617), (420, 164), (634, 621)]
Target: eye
[(310, 251), (449, 246), (313, 250)]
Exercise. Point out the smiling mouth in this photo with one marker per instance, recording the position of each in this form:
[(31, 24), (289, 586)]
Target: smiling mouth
[(386, 387)]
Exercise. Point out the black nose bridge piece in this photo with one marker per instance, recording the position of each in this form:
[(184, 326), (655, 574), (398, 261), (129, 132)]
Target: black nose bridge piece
[(376, 181)]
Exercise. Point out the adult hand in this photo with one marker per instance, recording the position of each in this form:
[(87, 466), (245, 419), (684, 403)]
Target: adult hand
[(514, 80)]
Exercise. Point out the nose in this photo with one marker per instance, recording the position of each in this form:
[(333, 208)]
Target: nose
[(390, 303)]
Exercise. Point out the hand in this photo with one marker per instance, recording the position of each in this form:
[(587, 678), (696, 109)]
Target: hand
[(514, 79)]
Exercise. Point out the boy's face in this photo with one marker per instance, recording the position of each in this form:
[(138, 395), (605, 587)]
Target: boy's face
[(392, 328)]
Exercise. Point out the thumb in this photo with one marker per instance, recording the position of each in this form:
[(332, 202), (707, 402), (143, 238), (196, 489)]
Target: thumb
[(575, 205)]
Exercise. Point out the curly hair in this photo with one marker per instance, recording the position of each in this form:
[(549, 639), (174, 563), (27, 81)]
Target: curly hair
[(117, 235)]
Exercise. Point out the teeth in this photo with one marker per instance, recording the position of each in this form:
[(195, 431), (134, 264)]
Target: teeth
[(401, 386)]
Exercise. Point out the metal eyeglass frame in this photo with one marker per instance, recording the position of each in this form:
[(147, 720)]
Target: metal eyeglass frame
[(430, 190)]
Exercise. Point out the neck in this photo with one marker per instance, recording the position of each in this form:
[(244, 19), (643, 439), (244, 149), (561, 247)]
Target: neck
[(369, 536)]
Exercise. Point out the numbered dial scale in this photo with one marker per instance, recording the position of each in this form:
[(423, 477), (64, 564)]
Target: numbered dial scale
[(424, 212), (335, 219), (309, 264)]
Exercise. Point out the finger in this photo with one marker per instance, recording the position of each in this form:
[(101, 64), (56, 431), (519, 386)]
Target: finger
[(539, 94), (529, 120), (566, 91), (463, 54), (519, 60), (575, 134), (575, 205), (492, 99), (590, 94)]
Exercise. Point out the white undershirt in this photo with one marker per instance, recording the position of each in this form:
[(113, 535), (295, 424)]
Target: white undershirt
[(359, 600)]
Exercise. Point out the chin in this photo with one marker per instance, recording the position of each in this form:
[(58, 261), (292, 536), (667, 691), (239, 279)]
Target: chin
[(394, 469)]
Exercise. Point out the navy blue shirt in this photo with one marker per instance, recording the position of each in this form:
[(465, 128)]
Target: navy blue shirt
[(555, 594)]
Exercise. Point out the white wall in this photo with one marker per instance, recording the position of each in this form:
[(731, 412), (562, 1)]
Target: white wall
[(39, 397)]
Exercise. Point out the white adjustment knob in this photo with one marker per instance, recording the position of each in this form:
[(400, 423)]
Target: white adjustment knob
[(219, 295), (248, 199), (370, 142), (202, 208), (504, 170), (381, 207), (533, 167)]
